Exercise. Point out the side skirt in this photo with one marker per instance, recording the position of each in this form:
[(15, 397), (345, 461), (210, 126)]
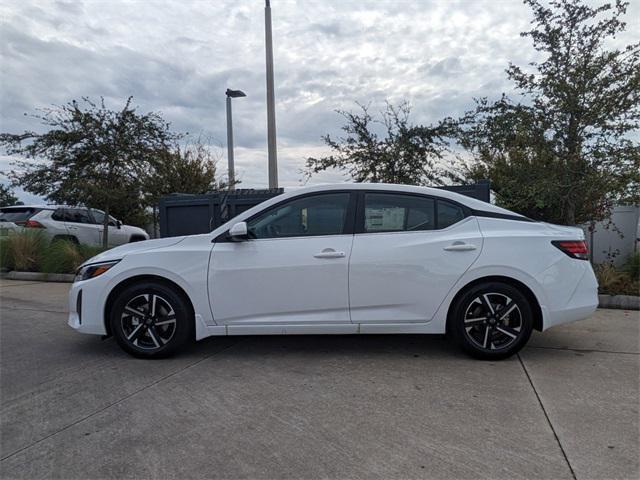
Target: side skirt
[(203, 330)]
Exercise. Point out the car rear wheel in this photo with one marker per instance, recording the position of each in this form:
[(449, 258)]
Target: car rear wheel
[(491, 320), (151, 320)]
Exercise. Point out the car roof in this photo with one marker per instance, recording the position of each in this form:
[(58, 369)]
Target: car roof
[(42, 207), (472, 203)]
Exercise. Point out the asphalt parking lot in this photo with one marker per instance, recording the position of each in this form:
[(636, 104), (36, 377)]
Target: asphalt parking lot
[(405, 406)]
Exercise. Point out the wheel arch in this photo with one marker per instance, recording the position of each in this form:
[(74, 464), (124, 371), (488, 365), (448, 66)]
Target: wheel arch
[(523, 288), (120, 287)]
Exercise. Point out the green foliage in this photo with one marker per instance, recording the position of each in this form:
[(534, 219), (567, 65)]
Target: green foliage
[(5, 256), (407, 154), (567, 153), (7, 197), (31, 251), (632, 266), (616, 282), (94, 156), (63, 256), (188, 169), (24, 250)]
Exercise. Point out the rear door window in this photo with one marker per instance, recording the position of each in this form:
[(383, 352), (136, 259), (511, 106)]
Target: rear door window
[(448, 214), (60, 215), (78, 215), (17, 214), (387, 212)]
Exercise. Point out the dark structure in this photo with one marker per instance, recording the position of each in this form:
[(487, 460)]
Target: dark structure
[(183, 214)]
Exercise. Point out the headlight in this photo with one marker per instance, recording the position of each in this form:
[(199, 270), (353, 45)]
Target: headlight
[(93, 270)]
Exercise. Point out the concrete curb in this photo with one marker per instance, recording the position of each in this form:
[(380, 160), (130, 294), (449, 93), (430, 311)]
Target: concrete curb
[(39, 276), (624, 302)]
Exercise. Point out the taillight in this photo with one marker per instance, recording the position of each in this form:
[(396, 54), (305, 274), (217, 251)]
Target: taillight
[(30, 224), (574, 248)]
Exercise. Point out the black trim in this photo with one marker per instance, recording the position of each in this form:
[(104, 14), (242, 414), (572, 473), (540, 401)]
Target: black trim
[(347, 229), (504, 216), (354, 222)]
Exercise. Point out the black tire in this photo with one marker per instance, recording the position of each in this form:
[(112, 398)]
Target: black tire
[(491, 321), (150, 334), (136, 238)]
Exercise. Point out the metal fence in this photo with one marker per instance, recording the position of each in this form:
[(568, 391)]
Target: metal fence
[(614, 239)]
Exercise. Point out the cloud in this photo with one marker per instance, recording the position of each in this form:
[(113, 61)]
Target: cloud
[(179, 57)]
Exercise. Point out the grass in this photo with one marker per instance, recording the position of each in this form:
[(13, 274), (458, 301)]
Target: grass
[(64, 256), (31, 251), (619, 281), (23, 251)]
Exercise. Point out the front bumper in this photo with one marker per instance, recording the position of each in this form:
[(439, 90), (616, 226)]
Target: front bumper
[(85, 313)]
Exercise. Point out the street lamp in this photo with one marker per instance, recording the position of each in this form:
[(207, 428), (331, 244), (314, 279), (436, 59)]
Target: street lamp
[(232, 174), (271, 101)]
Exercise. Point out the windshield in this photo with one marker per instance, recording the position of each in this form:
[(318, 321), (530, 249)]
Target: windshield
[(16, 214)]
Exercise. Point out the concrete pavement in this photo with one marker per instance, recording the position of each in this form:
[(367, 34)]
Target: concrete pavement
[(404, 406)]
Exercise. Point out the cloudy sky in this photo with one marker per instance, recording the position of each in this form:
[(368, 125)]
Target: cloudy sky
[(178, 57)]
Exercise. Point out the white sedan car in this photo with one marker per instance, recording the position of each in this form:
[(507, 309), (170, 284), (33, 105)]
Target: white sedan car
[(344, 259)]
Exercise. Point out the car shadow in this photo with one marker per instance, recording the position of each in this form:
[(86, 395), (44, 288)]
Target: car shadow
[(396, 345)]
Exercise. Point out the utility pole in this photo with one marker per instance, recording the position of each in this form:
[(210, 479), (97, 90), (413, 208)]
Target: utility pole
[(271, 109), (232, 170)]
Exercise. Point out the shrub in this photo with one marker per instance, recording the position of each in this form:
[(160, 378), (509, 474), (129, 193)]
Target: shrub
[(24, 250), (5, 257), (632, 266), (31, 251), (64, 256), (615, 282)]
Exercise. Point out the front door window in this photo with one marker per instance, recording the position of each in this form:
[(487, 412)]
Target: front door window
[(308, 216)]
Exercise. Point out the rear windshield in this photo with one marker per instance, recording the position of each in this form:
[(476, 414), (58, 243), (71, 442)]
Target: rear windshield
[(16, 214)]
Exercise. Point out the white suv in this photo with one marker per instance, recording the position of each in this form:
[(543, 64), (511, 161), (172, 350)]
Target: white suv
[(78, 224)]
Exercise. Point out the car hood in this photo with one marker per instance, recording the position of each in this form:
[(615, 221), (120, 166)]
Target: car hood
[(118, 253)]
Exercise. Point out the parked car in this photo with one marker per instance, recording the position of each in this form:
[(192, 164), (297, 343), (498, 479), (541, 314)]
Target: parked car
[(344, 259), (78, 224)]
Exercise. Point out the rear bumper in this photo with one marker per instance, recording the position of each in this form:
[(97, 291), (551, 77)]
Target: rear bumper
[(579, 304)]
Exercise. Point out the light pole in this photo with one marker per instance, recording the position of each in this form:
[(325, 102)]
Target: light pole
[(232, 173), (271, 109)]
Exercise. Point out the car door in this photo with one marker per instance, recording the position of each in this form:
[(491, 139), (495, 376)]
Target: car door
[(292, 270), (117, 236), (80, 225), (408, 252)]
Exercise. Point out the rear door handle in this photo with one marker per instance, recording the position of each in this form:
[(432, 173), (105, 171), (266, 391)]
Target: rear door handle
[(330, 253), (460, 247)]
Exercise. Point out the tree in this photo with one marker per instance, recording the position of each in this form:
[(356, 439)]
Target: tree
[(407, 154), (7, 197), (92, 155), (187, 169), (566, 153)]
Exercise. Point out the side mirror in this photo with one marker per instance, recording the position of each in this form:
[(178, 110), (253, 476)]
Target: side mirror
[(238, 232), (118, 224)]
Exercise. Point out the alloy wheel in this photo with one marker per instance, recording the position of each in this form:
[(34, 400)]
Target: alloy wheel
[(148, 321), (493, 321)]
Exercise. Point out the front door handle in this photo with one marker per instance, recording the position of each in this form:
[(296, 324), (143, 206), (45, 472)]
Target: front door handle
[(330, 253), (460, 247)]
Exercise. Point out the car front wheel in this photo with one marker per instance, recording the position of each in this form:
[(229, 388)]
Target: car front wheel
[(151, 320), (491, 320)]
